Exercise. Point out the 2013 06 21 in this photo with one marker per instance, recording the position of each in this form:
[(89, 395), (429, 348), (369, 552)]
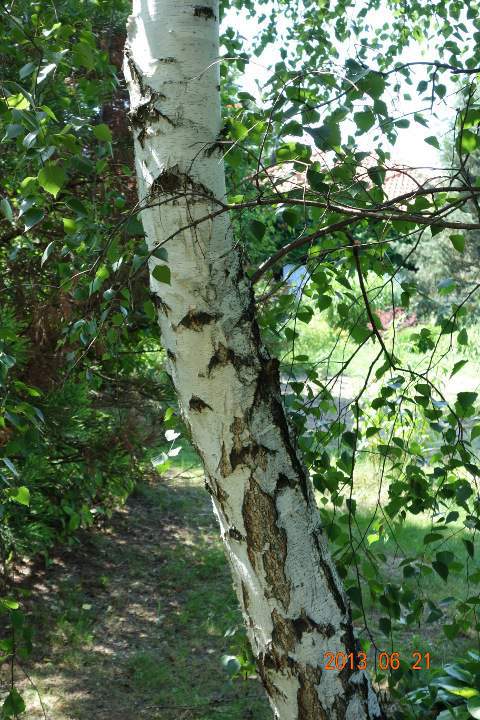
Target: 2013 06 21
[(383, 661)]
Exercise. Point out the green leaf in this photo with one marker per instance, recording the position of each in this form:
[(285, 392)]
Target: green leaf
[(47, 252), (20, 495), (162, 274), (458, 366), (475, 432), (469, 141), (323, 302), (458, 242), (473, 707), (291, 217), (9, 604), (102, 132), (469, 547), (134, 227), (446, 286), (160, 253), (10, 464), (149, 309), (32, 217), (432, 140), (328, 136), (6, 209), (466, 399), (350, 438), (238, 131), (420, 119), (373, 84), (257, 229), (432, 537), (26, 70), (69, 225), (364, 120), (451, 630), (13, 704), (52, 178), (45, 72), (385, 626), (317, 182), (30, 139), (355, 595), (377, 175)]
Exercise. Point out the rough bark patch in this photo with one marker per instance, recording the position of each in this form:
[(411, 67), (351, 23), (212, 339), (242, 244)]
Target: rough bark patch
[(309, 707), (283, 634), (266, 538)]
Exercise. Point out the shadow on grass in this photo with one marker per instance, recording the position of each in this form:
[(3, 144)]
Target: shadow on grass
[(131, 621)]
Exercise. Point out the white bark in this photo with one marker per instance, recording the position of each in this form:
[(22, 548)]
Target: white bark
[(293, 603)]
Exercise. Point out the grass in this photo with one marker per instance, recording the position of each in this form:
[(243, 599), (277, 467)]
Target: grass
[(135, 620), (330, 348)]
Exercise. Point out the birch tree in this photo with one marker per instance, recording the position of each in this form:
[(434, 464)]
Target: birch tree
[(228, 386)]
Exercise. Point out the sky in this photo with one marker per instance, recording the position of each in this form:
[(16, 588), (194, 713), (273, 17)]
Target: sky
[(410, 148)]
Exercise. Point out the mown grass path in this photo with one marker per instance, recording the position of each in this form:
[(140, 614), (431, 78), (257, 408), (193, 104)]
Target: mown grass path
[(131, 621)]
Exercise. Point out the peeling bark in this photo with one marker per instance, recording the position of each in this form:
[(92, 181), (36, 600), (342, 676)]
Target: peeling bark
[(228, 387)]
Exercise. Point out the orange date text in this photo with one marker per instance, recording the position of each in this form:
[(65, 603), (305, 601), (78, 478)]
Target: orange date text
[(383, 661)]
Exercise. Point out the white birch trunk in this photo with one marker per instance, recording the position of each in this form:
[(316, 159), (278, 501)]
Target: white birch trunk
[(293, 602)]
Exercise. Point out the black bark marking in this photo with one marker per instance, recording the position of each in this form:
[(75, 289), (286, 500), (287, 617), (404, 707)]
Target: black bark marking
[(171, 356), (197, 320), (160, 304), (240, 457), (284, 482), (198, 404), (167, 60), (134, 71), (340, 706), (329, 578), (169, 181), (265, 662), (267, 391), (304, 624), (267, 539), (246, 599), (236, 535), (173, 180), (214, 488), (224, 465), (146, 114), (222, 356), (245, 451), (208, 488), (204, 11)]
